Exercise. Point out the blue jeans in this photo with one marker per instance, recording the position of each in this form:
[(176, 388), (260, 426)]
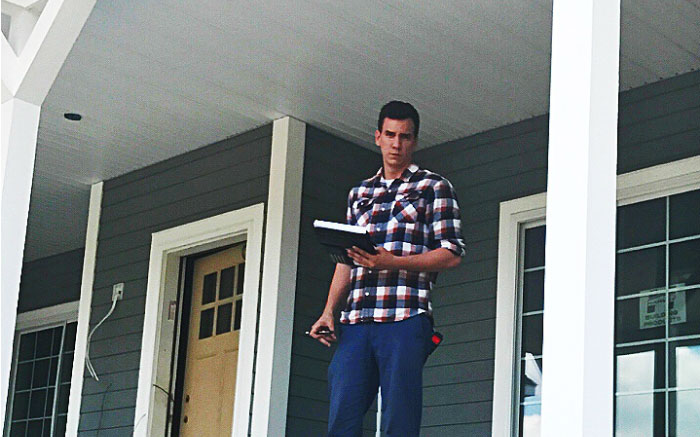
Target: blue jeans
[(370, 355)]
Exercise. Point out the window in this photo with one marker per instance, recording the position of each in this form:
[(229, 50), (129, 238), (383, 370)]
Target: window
[(530, 312), (657, 357), (42, 368)]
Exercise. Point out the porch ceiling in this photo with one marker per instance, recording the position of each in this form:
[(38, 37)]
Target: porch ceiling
[(157, 79)]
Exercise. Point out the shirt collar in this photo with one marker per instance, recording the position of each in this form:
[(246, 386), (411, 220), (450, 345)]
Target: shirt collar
[(405, 176)]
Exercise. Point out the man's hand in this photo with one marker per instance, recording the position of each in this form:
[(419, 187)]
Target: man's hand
[(324, 323), (382, 260)]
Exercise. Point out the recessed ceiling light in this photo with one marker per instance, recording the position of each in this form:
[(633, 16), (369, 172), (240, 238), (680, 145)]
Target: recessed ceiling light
[(73, 116)]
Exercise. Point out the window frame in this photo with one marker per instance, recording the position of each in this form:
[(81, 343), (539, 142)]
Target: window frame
[(648, 183), (33, 321)]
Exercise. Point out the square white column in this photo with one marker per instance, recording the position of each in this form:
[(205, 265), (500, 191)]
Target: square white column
[(577, 397)]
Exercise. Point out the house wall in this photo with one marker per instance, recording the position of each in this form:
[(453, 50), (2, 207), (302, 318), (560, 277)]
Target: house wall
[(51, 281), (222, 177), (331, 167), (658, 123)]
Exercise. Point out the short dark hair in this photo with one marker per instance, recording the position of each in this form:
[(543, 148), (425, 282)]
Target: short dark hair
[(399, 110)]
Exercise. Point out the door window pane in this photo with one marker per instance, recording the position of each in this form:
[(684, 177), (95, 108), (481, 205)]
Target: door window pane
[(534, 247), (532, 335), (237, 320), (206, 323), (640, 271), (226, 287), (530, 418), (533, 291), (685, 214), (531, 380), (223, 318), (209, 288), (240, 278)]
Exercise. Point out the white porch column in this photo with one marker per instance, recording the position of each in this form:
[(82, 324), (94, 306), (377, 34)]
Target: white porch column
[(20, 124), (577, 398), (279, 278)]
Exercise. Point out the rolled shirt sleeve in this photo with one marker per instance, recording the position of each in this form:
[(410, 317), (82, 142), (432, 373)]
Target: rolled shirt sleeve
[(443, 218)]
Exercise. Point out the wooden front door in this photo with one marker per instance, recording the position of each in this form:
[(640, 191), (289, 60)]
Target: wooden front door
[(212, 347)]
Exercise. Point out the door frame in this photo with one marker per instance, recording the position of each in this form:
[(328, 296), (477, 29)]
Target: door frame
[(167, 249)]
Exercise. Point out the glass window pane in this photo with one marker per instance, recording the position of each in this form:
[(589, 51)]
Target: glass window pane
[(223, 318), (237, 320), (20, 406), (639, 415), (206, 323), (685, 214), (684, 414), (534, 247), (56, 343), (37, 403), (53, 370), (640, 270), (531, 380), (26, 346), (48, 410), (530, 420), (62, 401), (641, 223), (60, 427), (640, 318), (532, 335), (34, 428), (533, 291), (240, 278), (41, 373), (684, 307), (18, 429), (684, 263), (69, 341), (684, 364), (43, 343), (23, 380), (640, 368), (226, 286), (66, 367), (209, 288)]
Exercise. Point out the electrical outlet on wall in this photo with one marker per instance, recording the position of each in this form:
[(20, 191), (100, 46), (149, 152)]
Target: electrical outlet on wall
[(118, 291)]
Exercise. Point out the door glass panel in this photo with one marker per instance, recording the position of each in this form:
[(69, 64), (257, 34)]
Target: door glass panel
[(684, 364), (639, 415), (241, 277), (226, 287), (640, 271), (237, 320), (209, 288), (206, 323), (684, 414), (641, 223), (684, 307), (534, 247), (223, 318), (685, 214), (640, 368), (533, 291), (684, 263)]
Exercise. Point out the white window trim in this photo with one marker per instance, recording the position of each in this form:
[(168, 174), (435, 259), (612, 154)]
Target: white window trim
[(645, 184), (167, 248), (35, 320)]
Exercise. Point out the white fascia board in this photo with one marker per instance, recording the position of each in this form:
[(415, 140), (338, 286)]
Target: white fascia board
[(84, 309), (47, 316), (11, 77), (279, 278)]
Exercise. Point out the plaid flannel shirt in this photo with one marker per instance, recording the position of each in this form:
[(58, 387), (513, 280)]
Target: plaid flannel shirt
[(416, 213)]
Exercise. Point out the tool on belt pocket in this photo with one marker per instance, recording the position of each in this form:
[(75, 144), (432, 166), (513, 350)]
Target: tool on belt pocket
[(435, 340)]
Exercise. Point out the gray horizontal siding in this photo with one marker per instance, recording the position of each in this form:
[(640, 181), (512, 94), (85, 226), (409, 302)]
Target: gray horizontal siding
[(50, 281), (331, 167), (658, 123), (222, 177)]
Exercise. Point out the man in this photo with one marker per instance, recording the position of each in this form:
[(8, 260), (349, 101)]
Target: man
[(413, 218)]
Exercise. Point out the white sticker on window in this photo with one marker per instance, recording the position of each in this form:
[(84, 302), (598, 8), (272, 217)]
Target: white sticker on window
[(652, 310)]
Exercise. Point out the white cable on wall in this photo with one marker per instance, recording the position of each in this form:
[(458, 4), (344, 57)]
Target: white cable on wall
[(88, 363)]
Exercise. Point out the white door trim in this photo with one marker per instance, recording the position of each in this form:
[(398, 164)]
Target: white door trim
[(645, 184), (167, 247)]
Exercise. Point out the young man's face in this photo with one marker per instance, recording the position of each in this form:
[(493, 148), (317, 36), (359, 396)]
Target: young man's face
[(396, 141)]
